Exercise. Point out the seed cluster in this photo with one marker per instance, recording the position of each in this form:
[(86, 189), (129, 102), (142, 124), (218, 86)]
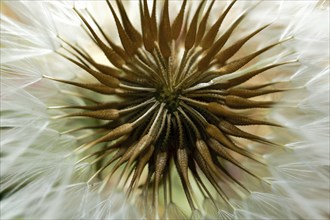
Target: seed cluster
[(180, 102)]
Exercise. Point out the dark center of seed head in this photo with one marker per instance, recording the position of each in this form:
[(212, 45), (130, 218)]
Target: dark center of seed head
[(170, 98)]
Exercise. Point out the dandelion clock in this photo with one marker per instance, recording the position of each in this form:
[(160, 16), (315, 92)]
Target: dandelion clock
[(167, 109)]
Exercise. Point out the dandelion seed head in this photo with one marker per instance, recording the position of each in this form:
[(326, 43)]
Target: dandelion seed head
[(176, 112)]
